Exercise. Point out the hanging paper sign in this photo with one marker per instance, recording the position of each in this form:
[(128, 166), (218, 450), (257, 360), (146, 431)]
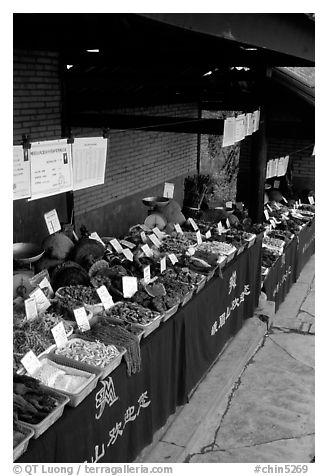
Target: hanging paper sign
[(229, 132), (256, 120), (276, 184), (228, 223), (128, 244), (249, 124), (42, 302), (31, 310), (128, 254), (148, 252), (21, 173), (266, 214), (52, 221), (168, 190), (51, 168), (199, 237), (172, 257), (253, 122), (153, 238), (311, 200), (163, 264), (95, 236), (81, 319), (143, 237), (31, 363), (240, 128), (116, 245), (178, 228), (146, 274), (286, 163), (89, 161), (130, 286), (158, 233), (193, 224), (268, 168), (46, 288), (105, 297), (59, 334), (208, 234)]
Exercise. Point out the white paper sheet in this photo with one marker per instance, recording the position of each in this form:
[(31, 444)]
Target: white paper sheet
[(249, 124), (229, 131), (21, 173), (240, 127), (51, 168), (89, 161)]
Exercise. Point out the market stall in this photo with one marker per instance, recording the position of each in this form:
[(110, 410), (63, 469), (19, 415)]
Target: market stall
[(121, 415)]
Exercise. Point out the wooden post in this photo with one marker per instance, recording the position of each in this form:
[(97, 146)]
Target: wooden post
[(259, 155)]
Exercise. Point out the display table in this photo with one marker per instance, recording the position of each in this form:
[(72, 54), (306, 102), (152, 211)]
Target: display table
[(118, 419), (305, 246), (281, 275)]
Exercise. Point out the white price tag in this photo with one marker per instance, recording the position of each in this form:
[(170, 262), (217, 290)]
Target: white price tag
[(59, 334), (273, 223), (269, 207), (146, 274), (143, 237), (284, 199), (168, 190), (153, 238), (130, 285), (158, 233), (105, 297), (31, 363), (116, 245), (276, 184), (220, 228), (199, 237), (128, 244), (228, 223), (82, 319), (148, 252), (208, 234), (163, 264), (228, 204), (46, 288), (95, 236), (128, 254), (311, 200), (266, 214), (172, 258), (42, 302), (52, 221), (178, 228), (193, 224), (31, 310)]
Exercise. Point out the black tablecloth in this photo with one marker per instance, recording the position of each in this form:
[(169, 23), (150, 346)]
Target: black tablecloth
[(305, 246), (121, 415)]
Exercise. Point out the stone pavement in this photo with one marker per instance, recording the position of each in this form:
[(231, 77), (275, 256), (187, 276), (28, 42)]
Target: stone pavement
[(256, 404)]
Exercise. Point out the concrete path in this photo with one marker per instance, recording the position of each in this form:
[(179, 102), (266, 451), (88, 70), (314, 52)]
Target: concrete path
[(256, 404)]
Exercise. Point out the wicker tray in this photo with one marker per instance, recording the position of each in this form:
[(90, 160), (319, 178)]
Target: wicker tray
[(105, 371), (170, 312), (21, 447), (146, 328), (40, 428), (76, 398)]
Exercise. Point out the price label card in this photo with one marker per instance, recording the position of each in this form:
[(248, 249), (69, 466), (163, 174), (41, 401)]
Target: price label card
[(59, 334), (148, 252), (208, 234), (172, 257), (158, 233), (193, 224), (95, 236), (128, 244), (178, 228), (42, 302), (82, 319), (228, 223), (52, 221), (31, 310), (130, 285), (105, 297), (163, 264), (284, 199), (128, 254), (220, 228), (311, 200), (228, 204), (273, 223), (116, 245), (37, 278), (31, 363), (276, 184), (143, 237), (199, 237), (46, 288), (153, 238), (168, 190), (269, 208), (266, 214), (146, 274)]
